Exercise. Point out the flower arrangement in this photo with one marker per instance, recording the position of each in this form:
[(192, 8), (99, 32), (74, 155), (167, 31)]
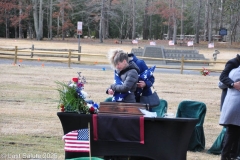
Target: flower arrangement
[(204, 72), (73, 98)]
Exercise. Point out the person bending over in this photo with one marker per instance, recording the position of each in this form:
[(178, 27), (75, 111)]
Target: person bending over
[(127, 72)]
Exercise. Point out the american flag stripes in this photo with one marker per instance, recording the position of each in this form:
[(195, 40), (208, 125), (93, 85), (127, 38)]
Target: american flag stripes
[(190, 43), (152, 43), (171, 43), (77, 141), (211, 45), (134, 42)]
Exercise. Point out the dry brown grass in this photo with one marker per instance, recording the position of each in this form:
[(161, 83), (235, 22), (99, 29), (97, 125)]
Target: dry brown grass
[(28, 98)]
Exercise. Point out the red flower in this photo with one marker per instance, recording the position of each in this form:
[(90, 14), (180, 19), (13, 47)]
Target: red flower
[(75, 80), (204, 72), (92, 110), (80, 85)]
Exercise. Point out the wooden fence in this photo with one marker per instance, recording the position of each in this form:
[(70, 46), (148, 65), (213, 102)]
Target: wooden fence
[(73, 57)]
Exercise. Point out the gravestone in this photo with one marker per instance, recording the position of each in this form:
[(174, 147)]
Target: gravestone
[(175, 54), (187, 54), (137, 51), (154, 52)]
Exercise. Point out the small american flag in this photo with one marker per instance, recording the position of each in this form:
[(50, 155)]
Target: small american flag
[(171, 43), (134, 42), (190, 43), (152, 43), (211, 45), (77, 141)]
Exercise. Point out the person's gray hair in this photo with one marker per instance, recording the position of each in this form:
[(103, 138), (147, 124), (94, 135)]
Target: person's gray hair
[(115, 56)]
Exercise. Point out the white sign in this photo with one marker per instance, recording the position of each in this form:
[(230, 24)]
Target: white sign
[(211, 45), (134, 42), (152, 43), (190, 43), (79, 28), (171, 43)]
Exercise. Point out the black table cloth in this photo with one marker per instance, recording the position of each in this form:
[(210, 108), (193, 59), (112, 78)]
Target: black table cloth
[(164, 138)]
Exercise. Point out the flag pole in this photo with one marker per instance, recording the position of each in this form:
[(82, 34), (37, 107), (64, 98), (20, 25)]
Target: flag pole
[(90, 157)]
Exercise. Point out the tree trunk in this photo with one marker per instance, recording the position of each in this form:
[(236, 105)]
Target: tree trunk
[(50, 20), (133, 19), (62, 14), (35, 17), (210, 24), (221, 15), (58, 25), (20, 19), (145, 22), (6, 24), (41, 20), (100, 23), (206, 20), (198, 21), (182, 19), (107, 20), (174, 25), (150, 26)]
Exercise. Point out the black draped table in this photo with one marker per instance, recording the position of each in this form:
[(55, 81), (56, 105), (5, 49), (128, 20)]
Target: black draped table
[(164, 138)]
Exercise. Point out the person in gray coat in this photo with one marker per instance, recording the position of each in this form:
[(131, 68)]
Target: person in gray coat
[(127, 71), (230, 116)]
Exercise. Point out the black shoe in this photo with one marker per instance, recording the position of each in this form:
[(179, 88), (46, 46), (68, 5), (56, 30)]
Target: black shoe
[(226, 158), (238, 158)]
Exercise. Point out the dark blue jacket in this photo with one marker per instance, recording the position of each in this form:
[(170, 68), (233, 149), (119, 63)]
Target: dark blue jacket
[(142, 67)]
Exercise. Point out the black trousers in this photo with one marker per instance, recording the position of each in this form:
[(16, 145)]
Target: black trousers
[(230, 142)]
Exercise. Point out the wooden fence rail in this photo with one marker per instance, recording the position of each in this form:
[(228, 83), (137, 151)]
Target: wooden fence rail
[(74, 57)]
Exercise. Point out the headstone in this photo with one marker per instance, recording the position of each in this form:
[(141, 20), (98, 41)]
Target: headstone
[(187, 54), (137, 51), (154, 52), (159, 52)]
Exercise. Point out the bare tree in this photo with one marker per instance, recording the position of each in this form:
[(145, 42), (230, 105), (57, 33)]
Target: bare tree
[(174, 19), (206, 19), (38, 18), (145, 21), (101, 23), (210, 23), (20, 19), (133, 19), (50, 3), (198, 21)]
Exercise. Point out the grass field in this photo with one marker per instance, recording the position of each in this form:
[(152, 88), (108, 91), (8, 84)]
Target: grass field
[(30, 127)]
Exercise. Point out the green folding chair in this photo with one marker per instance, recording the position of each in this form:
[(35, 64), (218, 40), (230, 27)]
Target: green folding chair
[(194, 109), (109, 99), (161, 109)]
